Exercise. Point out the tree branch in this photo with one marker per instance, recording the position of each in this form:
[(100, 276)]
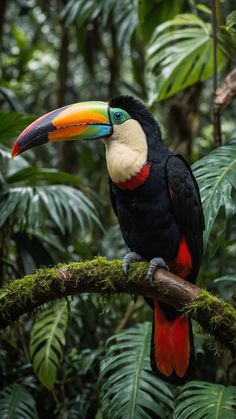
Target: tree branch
[(223, 97), (225, 92), (106, 277)]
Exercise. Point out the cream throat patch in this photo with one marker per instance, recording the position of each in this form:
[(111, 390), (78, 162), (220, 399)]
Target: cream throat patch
[(126, 151)]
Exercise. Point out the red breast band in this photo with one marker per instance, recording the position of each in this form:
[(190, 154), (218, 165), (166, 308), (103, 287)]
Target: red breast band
[(136, 180)]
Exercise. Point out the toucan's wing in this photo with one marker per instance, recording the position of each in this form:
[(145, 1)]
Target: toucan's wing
[(112, 197), (187, 207)]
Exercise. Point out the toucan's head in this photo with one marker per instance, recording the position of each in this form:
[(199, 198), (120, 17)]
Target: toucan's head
[(123, 124)]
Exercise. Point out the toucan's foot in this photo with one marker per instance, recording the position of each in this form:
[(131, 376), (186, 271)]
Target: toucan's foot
[(153, 265), (128, 259)]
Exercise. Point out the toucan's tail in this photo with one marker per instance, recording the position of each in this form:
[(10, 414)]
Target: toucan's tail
[(172, 351)]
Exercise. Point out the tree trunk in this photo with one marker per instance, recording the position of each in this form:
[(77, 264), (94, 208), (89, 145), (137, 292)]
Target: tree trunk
[(3, 5)]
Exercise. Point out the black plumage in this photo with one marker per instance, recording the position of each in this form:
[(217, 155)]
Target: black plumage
[(157, 215), (151, 222)]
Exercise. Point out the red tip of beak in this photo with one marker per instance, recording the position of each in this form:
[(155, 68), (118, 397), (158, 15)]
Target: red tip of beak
[(15, 150)]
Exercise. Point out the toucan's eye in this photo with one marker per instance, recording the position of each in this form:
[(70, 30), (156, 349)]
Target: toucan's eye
[(118, 115)]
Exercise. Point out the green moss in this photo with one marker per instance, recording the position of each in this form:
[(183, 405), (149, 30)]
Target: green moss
[(100, 268), (221, 312), (218, 348), (21, 291), (137, 269)]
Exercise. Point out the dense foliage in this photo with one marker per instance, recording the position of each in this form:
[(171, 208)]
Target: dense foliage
[(86, 357)]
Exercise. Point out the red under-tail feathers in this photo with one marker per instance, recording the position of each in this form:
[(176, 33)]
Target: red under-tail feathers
[(172, 351)]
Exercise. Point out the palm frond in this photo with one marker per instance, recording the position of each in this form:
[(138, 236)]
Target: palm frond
[(125, 17), (181, 54), (17, 403), (81, 10), (30, 206), (130, 389), (199, 399), (30, 195), (216, 176), (7, 167), (47, 341)]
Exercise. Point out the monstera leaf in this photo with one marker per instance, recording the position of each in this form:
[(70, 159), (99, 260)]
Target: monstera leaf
[(130, 389), (181, 53)]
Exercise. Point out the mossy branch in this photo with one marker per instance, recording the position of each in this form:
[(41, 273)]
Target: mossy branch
[(106, 277)]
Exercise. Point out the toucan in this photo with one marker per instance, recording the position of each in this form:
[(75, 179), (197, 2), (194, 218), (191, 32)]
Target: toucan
[(156, 199)]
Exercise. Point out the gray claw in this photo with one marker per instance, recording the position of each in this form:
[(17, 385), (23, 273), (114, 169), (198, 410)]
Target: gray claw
[(128, 259), (153, 265)]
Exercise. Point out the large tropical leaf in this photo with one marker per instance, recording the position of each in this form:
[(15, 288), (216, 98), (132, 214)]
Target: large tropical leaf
[(47, 341), (181, 53), (202, 400), (155, 12), (216, 176), (17, 403), (125, 18), (7, 168), (124, 15), (29, 195), (33, 176), (29, 206), (12, 124), (130, 389)]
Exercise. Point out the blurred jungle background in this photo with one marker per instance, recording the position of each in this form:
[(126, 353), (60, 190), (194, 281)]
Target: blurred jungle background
[(56, 362)]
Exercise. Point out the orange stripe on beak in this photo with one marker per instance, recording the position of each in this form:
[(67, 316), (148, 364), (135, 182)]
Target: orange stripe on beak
[(79, 114), (66, 133)]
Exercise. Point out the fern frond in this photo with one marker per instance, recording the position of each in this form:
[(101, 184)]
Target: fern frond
[(199, 399), (47, 341), (130, 389), (17, 403)]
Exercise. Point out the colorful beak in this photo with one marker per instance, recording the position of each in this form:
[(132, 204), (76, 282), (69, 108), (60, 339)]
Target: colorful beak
[(85, 121)]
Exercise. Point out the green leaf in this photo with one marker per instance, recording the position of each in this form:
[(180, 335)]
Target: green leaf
[(181, 54), (125, 18), (225, 278), (12, 124), (199, 399), (46, 342), (203, 8), (17, 403), (32, 175), (130, 389), (216, 177), (80, 10), (155, 12), (231, 22), (61, 203)]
